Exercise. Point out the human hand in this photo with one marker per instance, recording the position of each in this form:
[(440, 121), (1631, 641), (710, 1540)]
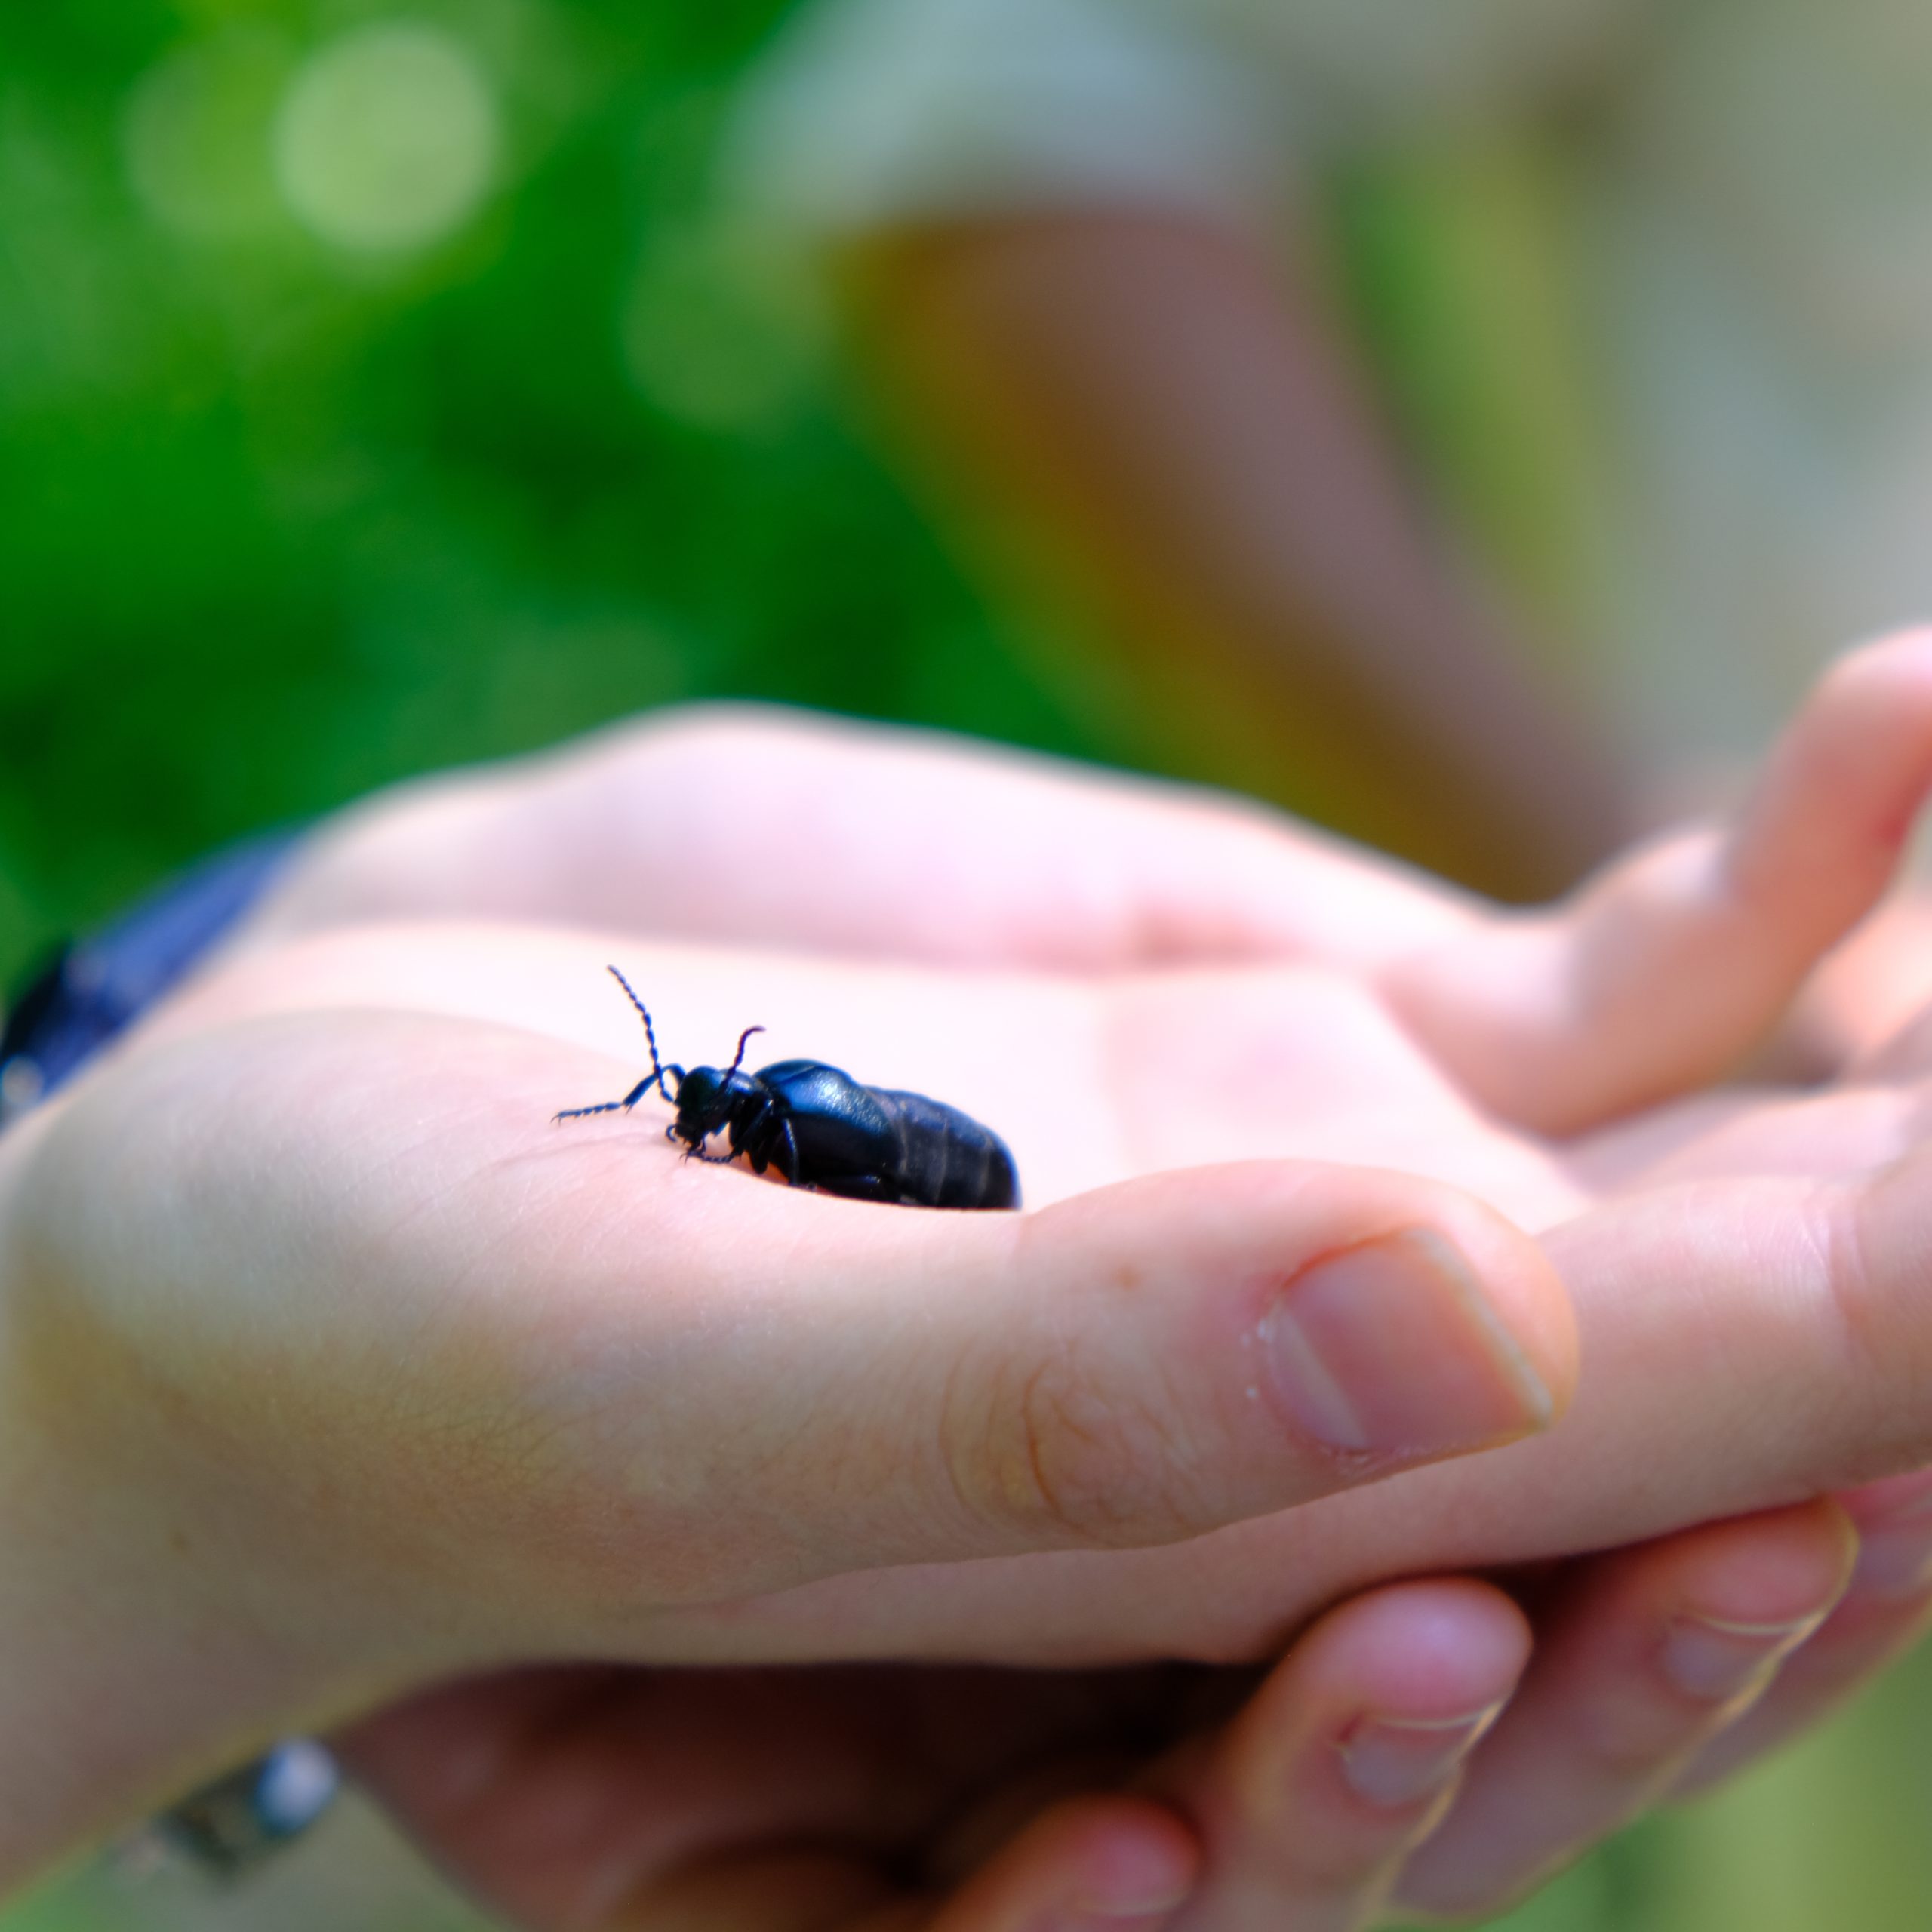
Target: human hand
[(1707, 1397), (339, 1369), (1187, 878), (528, 975), (1600, 996), (439, 1521), (988, 1800), (957, 1798)]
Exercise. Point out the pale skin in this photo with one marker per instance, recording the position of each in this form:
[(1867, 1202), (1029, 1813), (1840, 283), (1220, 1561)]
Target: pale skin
[(359, 1118)]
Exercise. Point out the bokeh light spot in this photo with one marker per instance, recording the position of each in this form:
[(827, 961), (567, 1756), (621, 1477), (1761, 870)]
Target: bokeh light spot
[(387, 139), (196, 135)]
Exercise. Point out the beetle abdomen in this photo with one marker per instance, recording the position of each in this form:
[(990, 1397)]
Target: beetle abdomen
[(873, 1143), (947, 1158)]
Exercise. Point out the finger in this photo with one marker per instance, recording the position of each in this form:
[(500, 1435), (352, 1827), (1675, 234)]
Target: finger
[(1659, 975), (619, 1372), (1862, 1015), (1095, 1864), (1343, 1761), (1650, 1652), (1884, 1613), (1090, 1864), (1750, 1340), (1747, 1341), (936, 848), (1900, 1053), (612, 1798)]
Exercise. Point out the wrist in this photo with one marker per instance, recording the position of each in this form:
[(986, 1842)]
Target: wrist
[(143, 1641)]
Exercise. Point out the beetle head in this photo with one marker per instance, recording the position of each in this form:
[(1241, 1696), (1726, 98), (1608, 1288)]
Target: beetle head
[(706, 1097), (706, 1100), (704, 1103)]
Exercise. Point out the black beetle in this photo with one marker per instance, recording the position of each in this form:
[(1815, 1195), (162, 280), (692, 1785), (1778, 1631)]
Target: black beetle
[(821, 1128)]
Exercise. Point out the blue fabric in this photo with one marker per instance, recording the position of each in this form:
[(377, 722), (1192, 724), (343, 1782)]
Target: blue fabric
[(92, 989)]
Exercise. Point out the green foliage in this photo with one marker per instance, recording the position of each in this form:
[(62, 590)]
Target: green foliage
[(282, 519)]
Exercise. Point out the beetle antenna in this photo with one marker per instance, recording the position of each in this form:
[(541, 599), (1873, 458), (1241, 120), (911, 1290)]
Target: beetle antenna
[(739, 1060), (658, 1069)]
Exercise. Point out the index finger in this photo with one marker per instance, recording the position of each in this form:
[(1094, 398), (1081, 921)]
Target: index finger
[(1662, 972)]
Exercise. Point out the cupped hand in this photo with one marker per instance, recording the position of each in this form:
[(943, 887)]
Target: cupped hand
[(514, 1380), (352, 1369), (938, 852), (1363, 997), (1743, 1270), (957, 1799), (1184, 1799)]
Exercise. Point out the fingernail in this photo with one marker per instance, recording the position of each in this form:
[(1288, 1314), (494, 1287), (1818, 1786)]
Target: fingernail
[(1119, 1915), (1895, 1550), (1134, 1899), (1392, 1348), (1712, 1657), (1394, 1761)]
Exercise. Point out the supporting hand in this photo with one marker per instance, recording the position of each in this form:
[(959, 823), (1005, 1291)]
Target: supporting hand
[(1384, 963)]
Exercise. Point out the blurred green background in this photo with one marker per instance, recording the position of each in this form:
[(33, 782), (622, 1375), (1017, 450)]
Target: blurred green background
[(302, 490), (379, 390)]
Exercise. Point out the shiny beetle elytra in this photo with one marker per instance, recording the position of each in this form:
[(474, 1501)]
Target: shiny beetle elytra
[(820, 1128)]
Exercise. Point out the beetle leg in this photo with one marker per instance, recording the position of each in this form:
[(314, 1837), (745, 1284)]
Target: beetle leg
[(751, 1124), (785, 1154), (694, 1149), (751, 1133), (860, 1187), (624, 1106)]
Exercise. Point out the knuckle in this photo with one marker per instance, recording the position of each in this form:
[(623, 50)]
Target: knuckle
[(1625, 1751), (1043, 1451)]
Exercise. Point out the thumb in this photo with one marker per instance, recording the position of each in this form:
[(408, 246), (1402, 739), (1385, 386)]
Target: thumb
[(838, 1386), (558, 1371)]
